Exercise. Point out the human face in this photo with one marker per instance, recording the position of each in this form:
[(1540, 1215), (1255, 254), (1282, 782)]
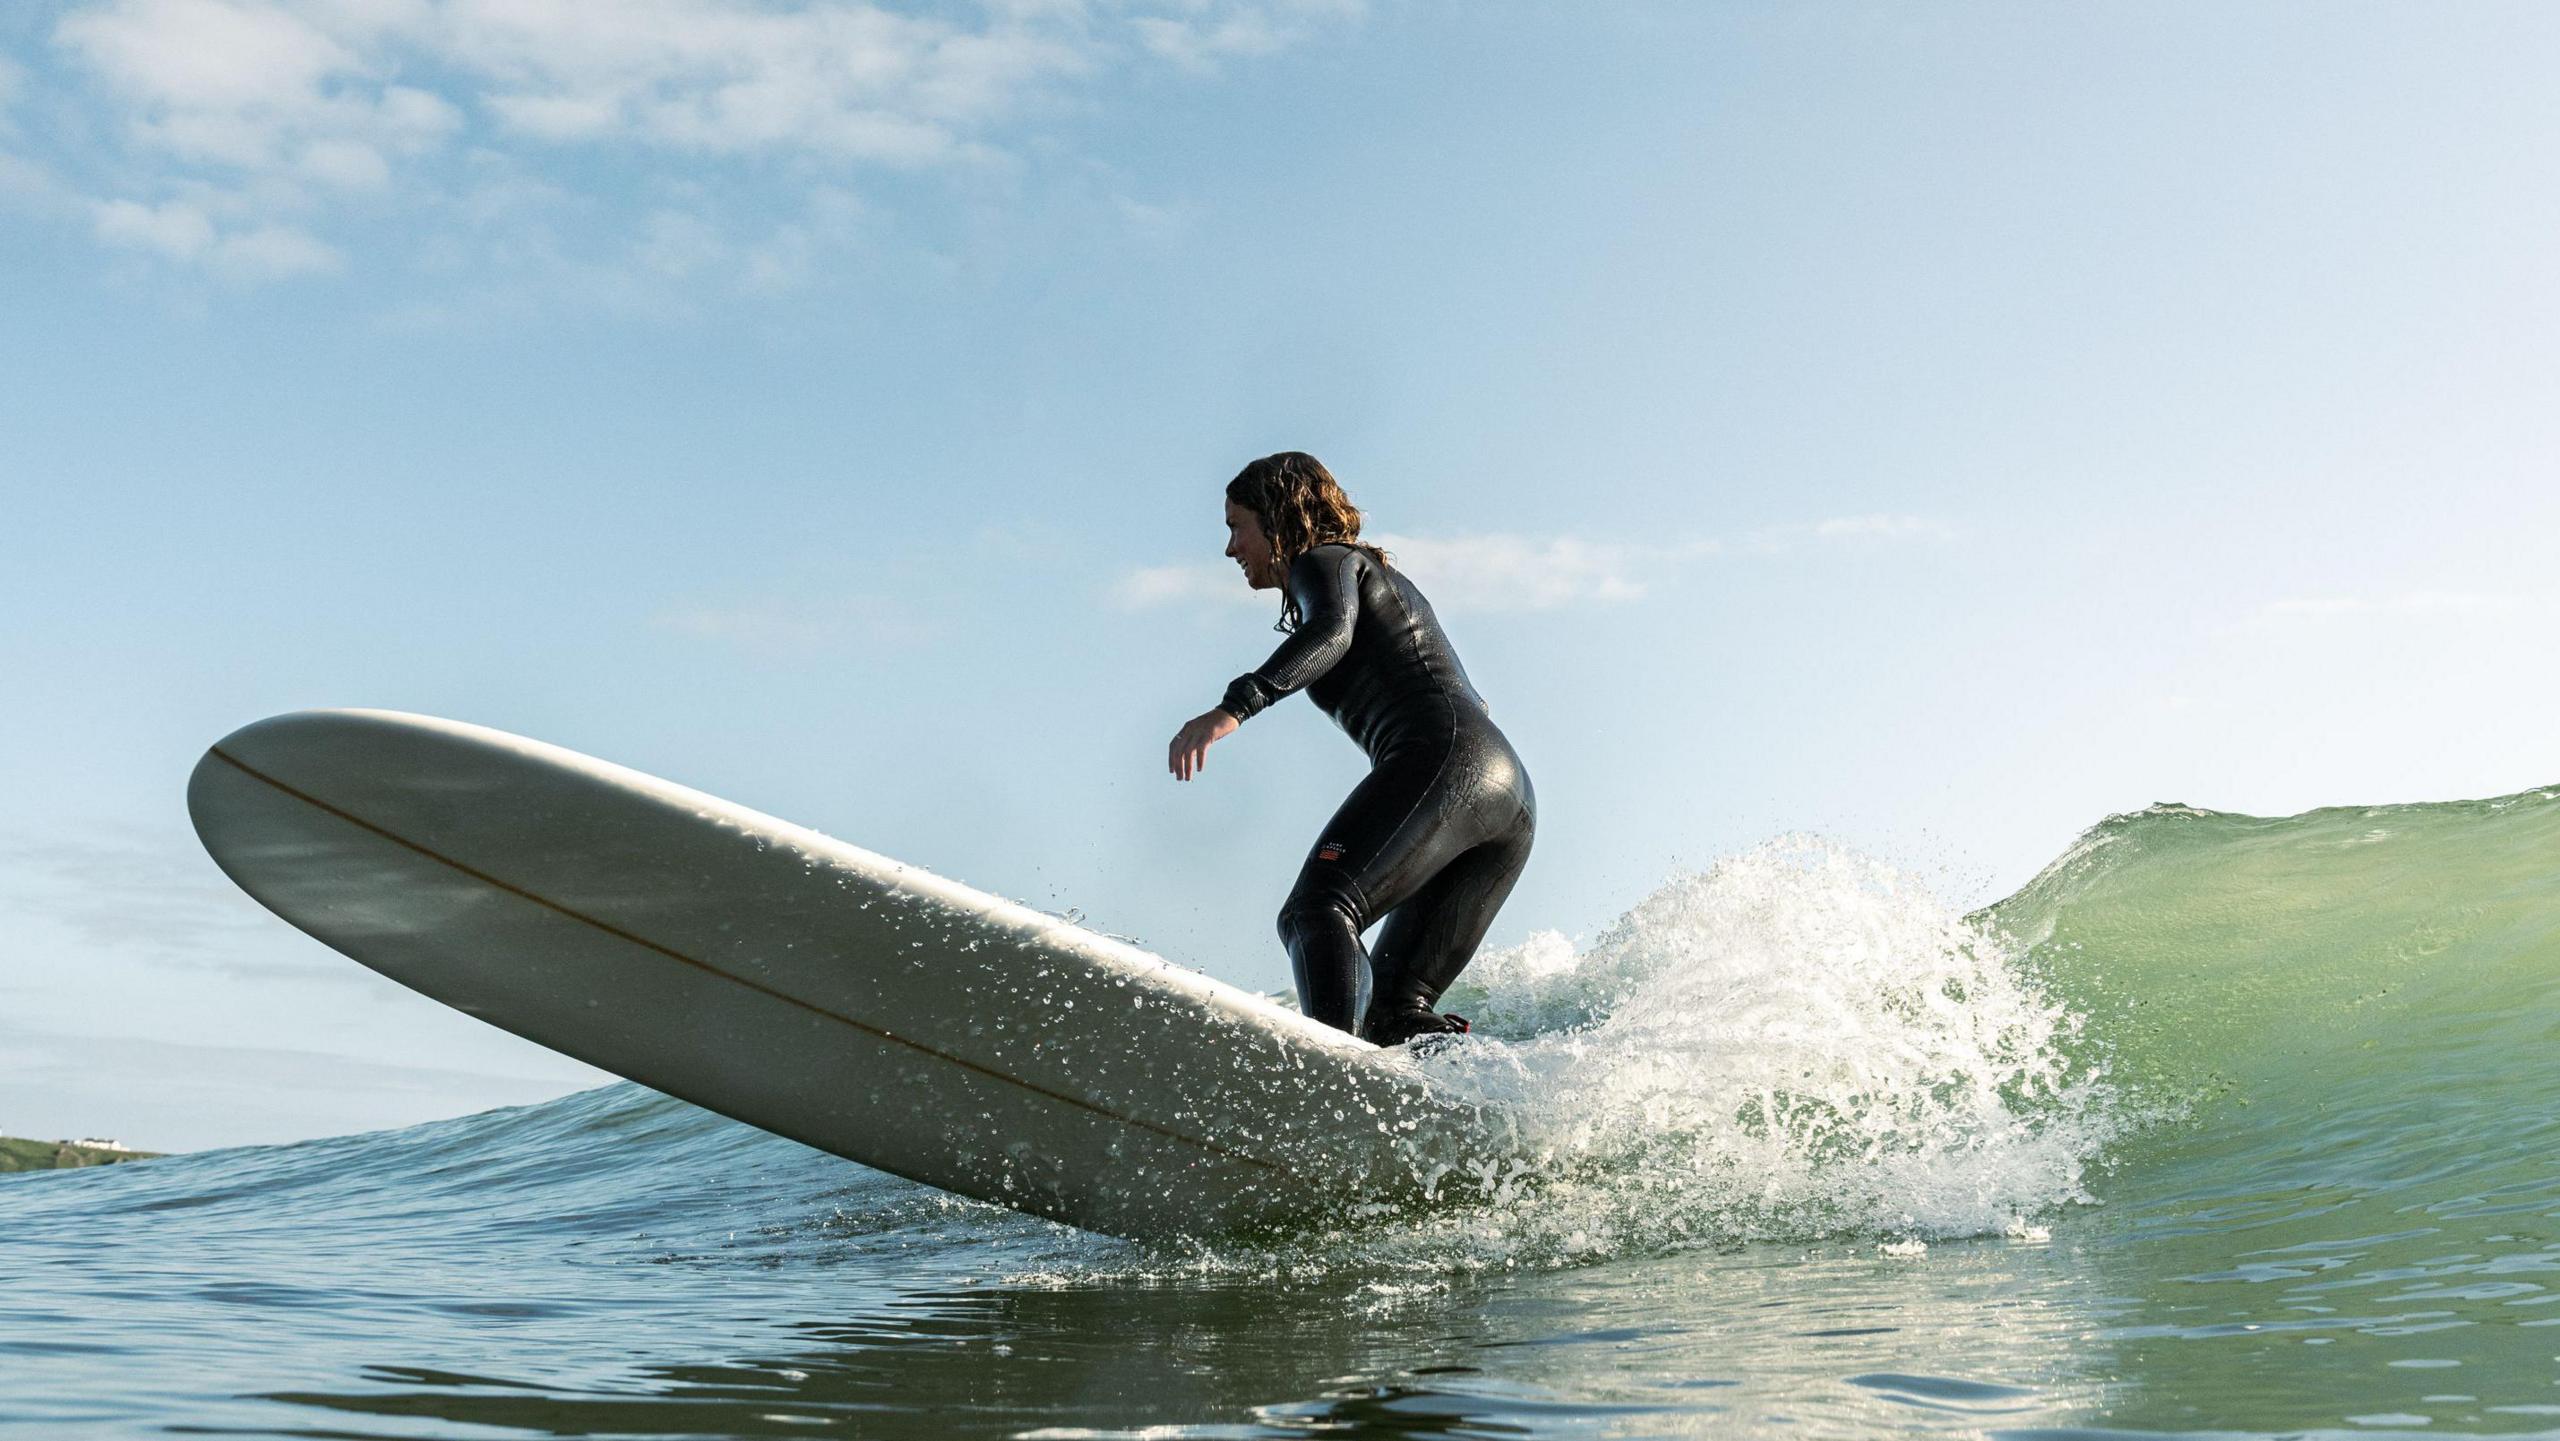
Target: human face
[(1248, 547)]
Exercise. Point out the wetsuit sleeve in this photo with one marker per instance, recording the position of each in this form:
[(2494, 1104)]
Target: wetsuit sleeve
[(1325, 582)]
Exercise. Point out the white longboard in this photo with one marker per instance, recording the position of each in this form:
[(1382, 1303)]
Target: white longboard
[(812, 988)]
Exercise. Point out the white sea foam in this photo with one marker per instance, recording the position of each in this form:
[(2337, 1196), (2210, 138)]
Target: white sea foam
[(1797, 1043)]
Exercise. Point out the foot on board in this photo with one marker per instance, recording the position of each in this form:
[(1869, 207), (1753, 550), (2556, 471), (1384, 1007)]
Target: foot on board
[(1395, 1028)]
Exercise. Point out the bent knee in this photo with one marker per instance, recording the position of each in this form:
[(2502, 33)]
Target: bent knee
[(1315, 913)]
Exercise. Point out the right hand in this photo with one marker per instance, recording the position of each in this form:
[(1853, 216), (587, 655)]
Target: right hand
[(1189, 753)]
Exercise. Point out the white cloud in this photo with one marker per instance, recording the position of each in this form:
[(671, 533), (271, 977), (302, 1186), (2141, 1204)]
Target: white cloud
[(136, 896), (177, 230), (284, 107), (1506, 572), (210, 55), (1191, 583), (1197, 34), (349, 163), (180, 231), (255, 86), (244, 115), (716, 76), (272, 252), (1848, 530), (1459, 573), (1511, 572), (558, 117)]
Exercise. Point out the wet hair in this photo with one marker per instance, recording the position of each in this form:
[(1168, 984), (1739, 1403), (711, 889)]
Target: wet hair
[(1301, 506)]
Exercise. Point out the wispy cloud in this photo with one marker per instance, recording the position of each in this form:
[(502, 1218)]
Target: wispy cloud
[(1201, 34), (239, 132), (799, 629), (1513, 572), (1847, 530), (182, 231), (1509, 572), (149, 902), (1461, 573), (1186, 583)]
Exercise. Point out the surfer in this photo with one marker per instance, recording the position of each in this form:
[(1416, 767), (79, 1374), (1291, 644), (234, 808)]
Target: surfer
[(1432, 840)]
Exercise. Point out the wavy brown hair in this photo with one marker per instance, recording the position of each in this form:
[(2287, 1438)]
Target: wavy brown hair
[(1301, 506)]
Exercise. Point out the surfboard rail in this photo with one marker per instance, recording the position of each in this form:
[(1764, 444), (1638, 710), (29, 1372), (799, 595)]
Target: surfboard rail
[(813, 988)]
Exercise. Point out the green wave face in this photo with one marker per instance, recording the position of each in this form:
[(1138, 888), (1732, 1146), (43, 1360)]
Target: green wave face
[(2344, 958), (2350, 1017)]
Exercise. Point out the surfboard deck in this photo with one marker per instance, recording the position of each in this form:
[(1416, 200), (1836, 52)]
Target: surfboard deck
[(815, 989)]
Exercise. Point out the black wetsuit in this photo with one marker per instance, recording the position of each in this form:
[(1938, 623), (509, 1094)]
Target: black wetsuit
[(1432, 839)]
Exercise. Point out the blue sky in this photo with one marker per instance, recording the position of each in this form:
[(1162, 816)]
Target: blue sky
[(1933, 426)]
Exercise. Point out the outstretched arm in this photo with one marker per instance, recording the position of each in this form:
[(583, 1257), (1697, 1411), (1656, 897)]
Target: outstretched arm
[(1327, 590), (1326, 587)]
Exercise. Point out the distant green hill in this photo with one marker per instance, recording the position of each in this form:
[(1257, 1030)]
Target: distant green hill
[(18, 1155)]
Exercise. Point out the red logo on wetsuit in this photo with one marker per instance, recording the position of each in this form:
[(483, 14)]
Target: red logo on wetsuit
[(1330, 851)]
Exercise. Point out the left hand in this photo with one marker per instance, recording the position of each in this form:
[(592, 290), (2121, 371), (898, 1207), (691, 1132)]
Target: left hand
[(1189, 753)]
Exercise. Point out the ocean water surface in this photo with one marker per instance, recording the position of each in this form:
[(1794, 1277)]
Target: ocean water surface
[(2222, 1126)]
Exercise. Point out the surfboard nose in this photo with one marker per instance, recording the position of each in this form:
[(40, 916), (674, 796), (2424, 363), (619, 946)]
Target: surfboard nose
[(229, 804)]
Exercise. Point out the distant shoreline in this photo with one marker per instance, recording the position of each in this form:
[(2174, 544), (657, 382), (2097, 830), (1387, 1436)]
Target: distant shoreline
[(17, 1154)]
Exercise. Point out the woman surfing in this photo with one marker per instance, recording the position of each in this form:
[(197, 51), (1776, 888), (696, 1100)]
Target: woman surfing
[(1432, 840)]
